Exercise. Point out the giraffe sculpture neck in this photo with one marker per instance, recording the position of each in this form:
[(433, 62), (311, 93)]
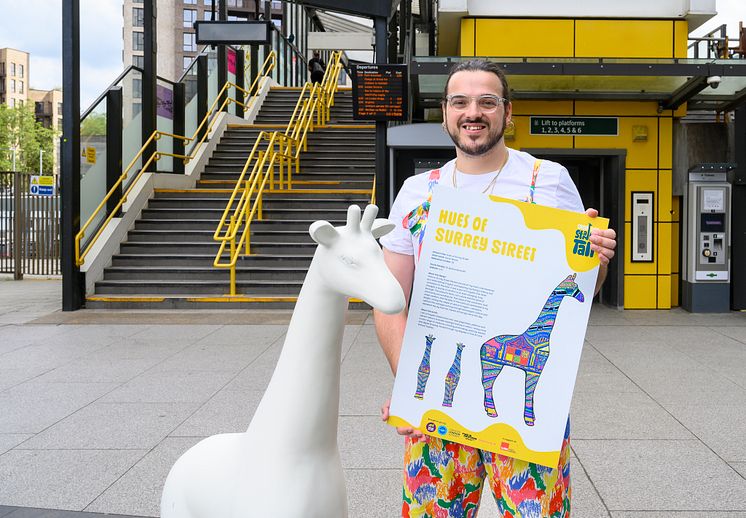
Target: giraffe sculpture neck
[(300, 407)]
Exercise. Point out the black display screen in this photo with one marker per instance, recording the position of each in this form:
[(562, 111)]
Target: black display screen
[(712, 222)]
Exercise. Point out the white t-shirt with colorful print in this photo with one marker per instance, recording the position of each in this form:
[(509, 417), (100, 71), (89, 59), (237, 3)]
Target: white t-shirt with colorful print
[(522, 178)]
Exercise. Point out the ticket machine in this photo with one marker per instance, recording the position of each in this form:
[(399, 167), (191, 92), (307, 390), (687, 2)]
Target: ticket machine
[(705, 286)]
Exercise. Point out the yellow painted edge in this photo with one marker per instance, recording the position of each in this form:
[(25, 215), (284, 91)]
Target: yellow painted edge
[(194, 190), (323, 191), (316, 182), (283, 126), (299, 88), (125, 299)]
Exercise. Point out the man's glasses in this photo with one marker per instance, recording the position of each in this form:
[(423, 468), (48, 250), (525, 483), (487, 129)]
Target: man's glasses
[(487, 103)]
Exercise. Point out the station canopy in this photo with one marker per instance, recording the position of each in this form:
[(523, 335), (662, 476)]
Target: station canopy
[(670, 82)]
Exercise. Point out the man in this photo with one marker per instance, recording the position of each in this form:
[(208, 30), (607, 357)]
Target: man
[(317, 67), (441, 478)]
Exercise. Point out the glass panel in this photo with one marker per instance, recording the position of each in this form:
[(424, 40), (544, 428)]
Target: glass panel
[(93, 168), (131, 122), (281, 57), (727, 86), (190, 100), (232, 92), (165, 123), (212, 77)]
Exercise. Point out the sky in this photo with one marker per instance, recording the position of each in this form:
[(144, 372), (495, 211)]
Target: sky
[(36, 27)]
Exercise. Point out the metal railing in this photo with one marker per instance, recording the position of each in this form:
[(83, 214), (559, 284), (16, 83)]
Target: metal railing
[(207, 124), (283, 149)]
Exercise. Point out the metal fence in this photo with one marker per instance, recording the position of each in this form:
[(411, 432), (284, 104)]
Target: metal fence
[(29, 228)]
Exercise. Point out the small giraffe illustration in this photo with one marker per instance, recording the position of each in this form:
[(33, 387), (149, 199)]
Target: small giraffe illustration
[(424, 371), (453, 376), (528, 351)]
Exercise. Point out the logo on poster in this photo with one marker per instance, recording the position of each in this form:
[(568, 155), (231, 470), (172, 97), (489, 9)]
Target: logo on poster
[(582, 242), (442, 430), (504, 446), (430, 427)]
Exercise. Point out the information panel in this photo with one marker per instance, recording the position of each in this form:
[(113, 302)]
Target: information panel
[(578, 126), (379, 92)]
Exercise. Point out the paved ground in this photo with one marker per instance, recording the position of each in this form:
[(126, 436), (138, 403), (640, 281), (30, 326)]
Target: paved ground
[(95, 407)]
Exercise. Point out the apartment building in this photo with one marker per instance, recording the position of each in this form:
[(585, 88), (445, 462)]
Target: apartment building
[(14, 77)]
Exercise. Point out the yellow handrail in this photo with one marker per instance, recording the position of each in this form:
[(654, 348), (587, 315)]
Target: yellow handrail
[(282, 149), (266, 69)]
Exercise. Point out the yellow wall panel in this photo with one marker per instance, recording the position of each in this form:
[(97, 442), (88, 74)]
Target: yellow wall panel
[(623, 39), (524, 107), (523, 138), (636, 268), (640, 155), (666, 143), (681, 35), (638, 181), (675, 291), (616, 108), (663, 250), (675, 248), (466, 41), (676, 208), (665, 198), (524, 38), (664, 292), (639, 292)]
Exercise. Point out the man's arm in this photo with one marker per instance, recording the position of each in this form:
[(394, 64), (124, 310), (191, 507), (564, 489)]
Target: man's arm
[(390, 328)]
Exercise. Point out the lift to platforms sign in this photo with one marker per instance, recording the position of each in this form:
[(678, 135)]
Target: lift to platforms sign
[(499, 309), (575, 126)]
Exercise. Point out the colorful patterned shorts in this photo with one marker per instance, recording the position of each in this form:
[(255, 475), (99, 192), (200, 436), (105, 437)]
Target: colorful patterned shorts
[(443, 479)]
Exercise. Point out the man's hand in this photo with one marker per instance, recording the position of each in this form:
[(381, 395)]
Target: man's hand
[(407, 431), (603, 242)]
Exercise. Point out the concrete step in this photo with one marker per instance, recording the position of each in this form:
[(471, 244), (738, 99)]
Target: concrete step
[(206, 236), (206, 260), (212, 224), (207, 287), (211, 247), (151, 273)]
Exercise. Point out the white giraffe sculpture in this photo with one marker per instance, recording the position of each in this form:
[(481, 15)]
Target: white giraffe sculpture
[(287, 465)]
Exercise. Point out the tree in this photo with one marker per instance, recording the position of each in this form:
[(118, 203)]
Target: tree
[(19, 130)]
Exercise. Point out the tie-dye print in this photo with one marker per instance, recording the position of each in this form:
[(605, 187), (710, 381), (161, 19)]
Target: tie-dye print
[(443, 479)]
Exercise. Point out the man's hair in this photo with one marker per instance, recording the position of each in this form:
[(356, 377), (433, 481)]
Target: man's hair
[(479, 65), (316, 53)]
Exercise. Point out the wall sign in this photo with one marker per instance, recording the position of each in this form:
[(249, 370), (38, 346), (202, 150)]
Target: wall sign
[(575, 126)]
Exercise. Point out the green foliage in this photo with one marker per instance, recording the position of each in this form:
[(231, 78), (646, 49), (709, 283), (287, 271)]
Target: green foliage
[(19, 130), (93, 125)]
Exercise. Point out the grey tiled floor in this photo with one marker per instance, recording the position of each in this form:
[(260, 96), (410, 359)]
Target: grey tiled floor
[(95, 407)]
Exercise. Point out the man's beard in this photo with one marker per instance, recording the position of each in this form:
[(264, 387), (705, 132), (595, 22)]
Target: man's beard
[(493, 137)]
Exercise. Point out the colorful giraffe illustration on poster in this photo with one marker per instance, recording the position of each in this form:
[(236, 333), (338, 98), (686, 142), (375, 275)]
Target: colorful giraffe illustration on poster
[(424, 371), (453, 376), (528, 351)]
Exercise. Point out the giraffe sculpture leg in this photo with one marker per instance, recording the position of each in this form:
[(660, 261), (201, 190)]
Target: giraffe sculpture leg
[(528, 409), (490, 371)]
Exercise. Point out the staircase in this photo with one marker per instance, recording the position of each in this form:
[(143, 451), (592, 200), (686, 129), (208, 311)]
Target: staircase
[(167, 259)]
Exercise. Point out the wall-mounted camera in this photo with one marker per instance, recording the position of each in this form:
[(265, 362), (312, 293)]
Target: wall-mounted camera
[(714, 81)]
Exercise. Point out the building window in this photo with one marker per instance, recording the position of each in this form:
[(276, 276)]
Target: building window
[(187, 61), (59, 122), (136, 109), (190, 16), (2, 68), (190, 42), (12, 68), (138, 41), (20, 87), (137, 88), (138, 61), (192, 2), (20, 71), (138, 17), (19, 102), (12, 102), (59, 108), (12, 86), (208, 15)]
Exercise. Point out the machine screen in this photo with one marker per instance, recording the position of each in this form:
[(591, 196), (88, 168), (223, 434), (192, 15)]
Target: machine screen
[(712, 223)]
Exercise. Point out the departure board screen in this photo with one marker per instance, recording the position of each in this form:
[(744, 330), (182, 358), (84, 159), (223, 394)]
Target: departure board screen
[(379, 92)]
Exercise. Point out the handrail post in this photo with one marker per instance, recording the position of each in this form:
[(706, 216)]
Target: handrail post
[(149, 77), (113, 146), (19, 219), (179, 126)]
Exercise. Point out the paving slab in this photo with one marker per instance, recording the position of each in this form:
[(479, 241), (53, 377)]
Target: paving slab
[(170, 387), (650, 475)]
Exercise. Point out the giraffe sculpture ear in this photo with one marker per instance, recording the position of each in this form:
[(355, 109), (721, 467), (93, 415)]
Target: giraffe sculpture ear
[(381, 227), (323, 233)]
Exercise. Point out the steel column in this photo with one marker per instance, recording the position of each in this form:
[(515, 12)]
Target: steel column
[(239, 80), (382, 186), (738, 217), (73, 290), (222, 55), (113, 145), (179, 125), (201, 92), (149, 78)]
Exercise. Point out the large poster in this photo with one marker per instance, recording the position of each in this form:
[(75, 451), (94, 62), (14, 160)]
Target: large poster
[(500, 305)]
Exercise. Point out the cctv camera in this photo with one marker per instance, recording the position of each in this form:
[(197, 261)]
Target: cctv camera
[(714, 81)]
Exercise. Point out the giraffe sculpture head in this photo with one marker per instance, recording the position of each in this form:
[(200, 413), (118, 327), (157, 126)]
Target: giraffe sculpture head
[(350, 261)]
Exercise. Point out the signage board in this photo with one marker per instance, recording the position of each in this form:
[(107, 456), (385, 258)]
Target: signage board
[(232, 33), (89, 153), (575, 126), (379, 92), (42, 186)]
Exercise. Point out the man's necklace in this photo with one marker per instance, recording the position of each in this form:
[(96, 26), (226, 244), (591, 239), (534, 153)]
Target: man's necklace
[(490, 186)]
